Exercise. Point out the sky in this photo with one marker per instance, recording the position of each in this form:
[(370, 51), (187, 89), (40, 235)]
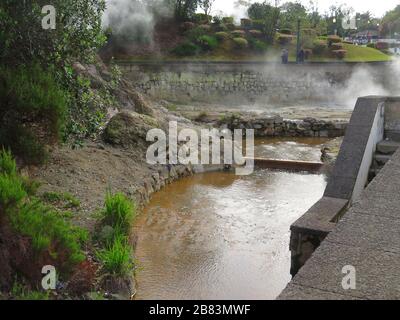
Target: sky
[(376, 7)]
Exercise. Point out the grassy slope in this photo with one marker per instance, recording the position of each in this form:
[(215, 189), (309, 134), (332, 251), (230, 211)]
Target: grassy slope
[(354, 54)]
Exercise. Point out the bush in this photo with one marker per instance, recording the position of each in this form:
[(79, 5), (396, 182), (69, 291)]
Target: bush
[(258, 46), (240, 43), (286, 31), (238, 33), (186, 26), (284, 39), (7, 163), (119, 212), (333, 39), (228, 20), (319, 47), (230, 26), (186, 49), (30, 96), (246, 23), (201, 18), (337, 46), (382, 45), (256, 33), (208, 42), (31, 218), (340, 54), (259, 25), (371, 45), (117, 258), (49, 231), (222, 36)]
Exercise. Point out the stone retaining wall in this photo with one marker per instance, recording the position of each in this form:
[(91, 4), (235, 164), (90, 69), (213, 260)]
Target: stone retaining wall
[(243, 83)]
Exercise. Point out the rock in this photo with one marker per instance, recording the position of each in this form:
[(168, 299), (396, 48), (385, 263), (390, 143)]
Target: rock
[(129, 129)]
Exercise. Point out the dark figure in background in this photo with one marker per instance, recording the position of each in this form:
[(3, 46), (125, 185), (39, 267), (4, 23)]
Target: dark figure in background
[(285, 56), (301, 56)]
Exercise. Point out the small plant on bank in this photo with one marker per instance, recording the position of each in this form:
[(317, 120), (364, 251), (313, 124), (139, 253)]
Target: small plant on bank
[(67, 199), (117, 257), (119, 212), (117, 218)]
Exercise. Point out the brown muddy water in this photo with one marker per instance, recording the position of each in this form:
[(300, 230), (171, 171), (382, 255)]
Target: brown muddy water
[(221, 236)]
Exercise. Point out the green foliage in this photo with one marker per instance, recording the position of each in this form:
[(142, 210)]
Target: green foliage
[(77, 34), (20, 292), (30, 94), (201, 18), (371, 45), (48, 230), (186, 49), (258, 45), (208, 42), (117, 258), (286, 31), (228, 20), (7, 163), (12, 191), (339, 54), (119, 211), (30, 217), (319, 46), (67, 199), (240, 43), (238, 33), (222, 36)]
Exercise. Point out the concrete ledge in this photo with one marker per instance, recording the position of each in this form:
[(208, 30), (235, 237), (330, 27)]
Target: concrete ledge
[(311, 229)]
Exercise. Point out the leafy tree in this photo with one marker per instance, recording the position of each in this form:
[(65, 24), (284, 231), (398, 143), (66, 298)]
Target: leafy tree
[(77, 35), (268, 14), (206, 6), (391, 22), (291, 12), (183, 9)]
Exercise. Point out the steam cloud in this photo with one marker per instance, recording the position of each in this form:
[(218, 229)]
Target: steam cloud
[(133, 19)]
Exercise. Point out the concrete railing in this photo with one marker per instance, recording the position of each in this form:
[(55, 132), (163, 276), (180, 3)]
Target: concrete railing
[(348, 179)]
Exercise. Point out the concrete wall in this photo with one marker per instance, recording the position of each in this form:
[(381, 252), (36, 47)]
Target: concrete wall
[(242, 83), (348, 179)]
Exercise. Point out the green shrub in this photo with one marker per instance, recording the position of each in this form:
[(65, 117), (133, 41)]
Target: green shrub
[(56, 197), (371, 45), (186, 49), (246, 23), (259, 25), (30, 95), (20, 292), (222, 36), (193, 34), (340, 54), (208, 42), (284, 39), (228, 20), (33, 92), (117, 258), (319, 47), (7, 163), (333, 39), (337, 46), (118, 212), (47, 229), (240, 43), (12, 191), (286, 31), (202, 18), (258, 46), (256, 33), (238, 33)]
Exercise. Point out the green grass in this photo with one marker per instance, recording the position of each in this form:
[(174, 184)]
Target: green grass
[(364, 54), (118, 212), (272, 54), (19, 292), (32, 218), (68, 200), (117, 257)]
